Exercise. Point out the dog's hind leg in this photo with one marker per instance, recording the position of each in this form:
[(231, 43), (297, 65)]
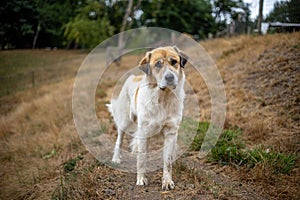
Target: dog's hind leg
[(117, 151)]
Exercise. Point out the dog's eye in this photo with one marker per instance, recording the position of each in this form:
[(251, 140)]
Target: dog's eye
[(158, 64), (173, 62)]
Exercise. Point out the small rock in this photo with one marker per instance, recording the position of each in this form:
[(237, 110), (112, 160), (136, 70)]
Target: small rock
[(109, 192), (130, 187)]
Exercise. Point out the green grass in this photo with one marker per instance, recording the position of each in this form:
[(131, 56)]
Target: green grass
[(278, 162), (20, 61), (230, 150), (187, 130), (21, 69), (202, 128)]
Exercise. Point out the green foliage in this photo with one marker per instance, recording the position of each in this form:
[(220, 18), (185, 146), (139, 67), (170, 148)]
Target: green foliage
[(50, 155), (22, 20), (193, 17), (230, 150), (87, 33), (85, 23), (202, 128), (116, 12), (71, 163), (285, 11), (278, 162), (226, 10), (90, 26)]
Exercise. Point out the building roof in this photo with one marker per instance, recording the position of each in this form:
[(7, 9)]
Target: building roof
[(279, 24)]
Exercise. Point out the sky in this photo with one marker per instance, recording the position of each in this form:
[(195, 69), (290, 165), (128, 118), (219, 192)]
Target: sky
[(254, 6)]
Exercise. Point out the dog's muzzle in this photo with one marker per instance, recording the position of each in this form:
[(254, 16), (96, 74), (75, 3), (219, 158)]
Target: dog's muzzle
[(169, 81)]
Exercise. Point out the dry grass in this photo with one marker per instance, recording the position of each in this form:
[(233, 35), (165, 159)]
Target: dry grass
[(263, 99), (250, 67), (38, 137), (32, 131), (26, 60)]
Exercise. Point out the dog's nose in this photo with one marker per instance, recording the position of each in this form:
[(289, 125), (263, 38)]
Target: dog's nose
[(169, 77)]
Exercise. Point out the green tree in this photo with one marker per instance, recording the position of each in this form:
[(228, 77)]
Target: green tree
[(50, 16), (90, 26), (193, 16), (293, 10), (15, 22), (226, 10), (285, 11), (30, 23)]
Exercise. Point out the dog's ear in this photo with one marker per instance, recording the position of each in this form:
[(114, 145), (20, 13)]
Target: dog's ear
[(145, 63), (183, 57)]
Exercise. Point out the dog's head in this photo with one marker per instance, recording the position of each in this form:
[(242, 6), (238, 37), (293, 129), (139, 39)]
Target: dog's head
[(165, 65)]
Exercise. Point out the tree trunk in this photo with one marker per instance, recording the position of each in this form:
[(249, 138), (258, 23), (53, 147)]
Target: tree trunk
[(36, 35), (123, 27), (260, 16), (3, 42), (137, 6)]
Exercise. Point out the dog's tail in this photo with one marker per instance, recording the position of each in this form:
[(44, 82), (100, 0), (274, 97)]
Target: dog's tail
[(109, 107)]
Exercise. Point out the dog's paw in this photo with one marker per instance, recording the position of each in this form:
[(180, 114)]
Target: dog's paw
[(142, 180), (116, 159), (167, 184)]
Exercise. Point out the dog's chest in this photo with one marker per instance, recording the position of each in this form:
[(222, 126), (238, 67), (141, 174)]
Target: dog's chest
[(160, 106)]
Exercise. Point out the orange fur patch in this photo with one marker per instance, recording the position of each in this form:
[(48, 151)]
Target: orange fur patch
[(163, 54), (137, 78), (136, 95)]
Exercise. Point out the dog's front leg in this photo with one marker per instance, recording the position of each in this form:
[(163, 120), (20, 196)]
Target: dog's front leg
[(142, 146), (170, 142)]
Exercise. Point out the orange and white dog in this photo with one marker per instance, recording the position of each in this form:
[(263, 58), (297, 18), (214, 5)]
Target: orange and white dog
[(153, 103)]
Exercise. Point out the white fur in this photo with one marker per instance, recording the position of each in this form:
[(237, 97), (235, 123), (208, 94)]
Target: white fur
[(152, 111)]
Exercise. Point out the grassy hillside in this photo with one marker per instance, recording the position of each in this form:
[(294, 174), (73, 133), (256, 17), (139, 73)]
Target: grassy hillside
[(22, 69), (42, 156)]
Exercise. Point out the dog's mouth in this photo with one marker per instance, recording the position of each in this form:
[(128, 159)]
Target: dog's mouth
[(170, 84), (171, 87)]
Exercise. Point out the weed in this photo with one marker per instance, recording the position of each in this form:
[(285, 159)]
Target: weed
[(202, 128), (71, 163), (278, 162), (231, 51), (50, 155), (230, 150), (101, 93), (61, 191), (187, 130)]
